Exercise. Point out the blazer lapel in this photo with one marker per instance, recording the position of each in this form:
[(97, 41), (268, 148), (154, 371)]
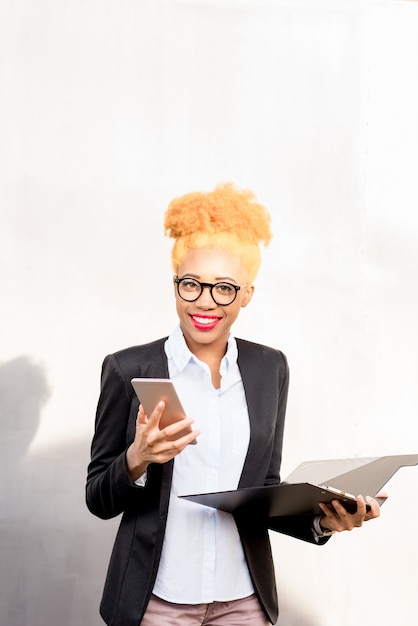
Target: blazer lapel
[(260, 390)]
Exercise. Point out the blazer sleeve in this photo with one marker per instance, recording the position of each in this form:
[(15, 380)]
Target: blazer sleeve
[(109, 488), (299, 527), (273, 474)]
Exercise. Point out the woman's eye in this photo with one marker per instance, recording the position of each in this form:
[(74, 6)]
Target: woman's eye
[(189, 284), (224, 288)]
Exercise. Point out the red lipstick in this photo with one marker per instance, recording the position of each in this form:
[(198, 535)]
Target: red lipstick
[(204, 322)]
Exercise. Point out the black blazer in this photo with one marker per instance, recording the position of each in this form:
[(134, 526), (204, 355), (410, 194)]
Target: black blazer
[(109, 491)]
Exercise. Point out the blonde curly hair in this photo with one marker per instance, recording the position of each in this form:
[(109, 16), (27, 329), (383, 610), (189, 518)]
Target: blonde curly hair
[(227, 217)]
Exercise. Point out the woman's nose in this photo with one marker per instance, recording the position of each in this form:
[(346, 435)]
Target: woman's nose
[(205, 299)]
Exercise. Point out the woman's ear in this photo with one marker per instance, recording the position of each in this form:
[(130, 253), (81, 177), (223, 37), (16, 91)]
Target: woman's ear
[(175, 284), (248, 294)]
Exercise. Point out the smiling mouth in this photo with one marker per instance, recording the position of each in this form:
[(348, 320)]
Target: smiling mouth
[(204, 322)]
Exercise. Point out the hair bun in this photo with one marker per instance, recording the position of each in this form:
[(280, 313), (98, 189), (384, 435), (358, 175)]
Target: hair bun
[(226, 209)]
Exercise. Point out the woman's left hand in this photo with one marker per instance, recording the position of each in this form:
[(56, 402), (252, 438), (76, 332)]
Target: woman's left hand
[(337, 518)]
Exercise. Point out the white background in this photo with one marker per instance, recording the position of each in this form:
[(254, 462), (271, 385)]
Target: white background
[(110, 109)]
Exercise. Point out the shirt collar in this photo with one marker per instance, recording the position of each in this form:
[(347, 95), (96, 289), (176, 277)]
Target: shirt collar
[(177, 350)]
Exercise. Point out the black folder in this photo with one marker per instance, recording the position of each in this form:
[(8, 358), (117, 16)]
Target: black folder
[(312, 482)]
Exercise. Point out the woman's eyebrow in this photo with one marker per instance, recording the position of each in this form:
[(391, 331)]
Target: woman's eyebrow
[(228, 278), (217, 278)]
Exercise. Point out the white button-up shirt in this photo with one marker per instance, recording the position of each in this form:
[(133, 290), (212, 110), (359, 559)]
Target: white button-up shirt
[(202, 558)]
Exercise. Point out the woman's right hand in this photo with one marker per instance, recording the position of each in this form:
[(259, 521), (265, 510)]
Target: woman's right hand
[(155, 445)]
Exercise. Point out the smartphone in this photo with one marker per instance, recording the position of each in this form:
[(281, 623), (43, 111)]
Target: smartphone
[(348, 500), (151, 390)]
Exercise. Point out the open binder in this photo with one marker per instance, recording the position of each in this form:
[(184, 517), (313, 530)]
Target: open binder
[(312, 482)]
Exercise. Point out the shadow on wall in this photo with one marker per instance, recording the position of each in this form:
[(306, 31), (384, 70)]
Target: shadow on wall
[(53, 553), (23, 393)]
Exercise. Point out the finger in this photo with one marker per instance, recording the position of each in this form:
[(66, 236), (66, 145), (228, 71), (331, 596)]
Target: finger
[(361, 506), (329, 513), (154, 418), (141, 417), (346, 520), (341, 512), (343, 520), (332, 520), (350, 520), (175, 445), (165, 449), (326, 509), (374, 508), (179, 430)]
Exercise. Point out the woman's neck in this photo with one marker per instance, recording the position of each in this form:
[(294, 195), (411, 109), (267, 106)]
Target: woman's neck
[(212, 355)]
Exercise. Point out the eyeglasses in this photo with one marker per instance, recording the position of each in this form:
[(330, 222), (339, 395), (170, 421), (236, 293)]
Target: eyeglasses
[(190, 289)]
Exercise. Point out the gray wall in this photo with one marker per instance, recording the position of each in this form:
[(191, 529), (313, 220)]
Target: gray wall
[(107, 111)]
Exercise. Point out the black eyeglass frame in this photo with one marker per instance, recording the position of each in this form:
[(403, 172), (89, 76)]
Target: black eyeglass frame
[(209, 286)]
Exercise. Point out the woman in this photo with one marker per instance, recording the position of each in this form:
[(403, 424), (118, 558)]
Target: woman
[(176, 562)]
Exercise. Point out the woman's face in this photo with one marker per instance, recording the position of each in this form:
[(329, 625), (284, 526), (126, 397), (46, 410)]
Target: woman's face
[(203, 322)]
